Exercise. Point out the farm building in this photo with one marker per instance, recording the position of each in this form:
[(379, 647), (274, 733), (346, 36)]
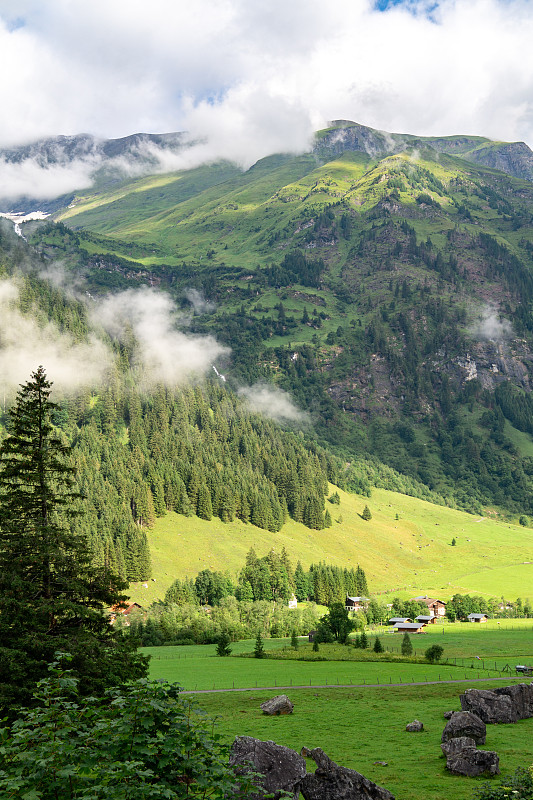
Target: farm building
[(426, 620), (293, 602), (477, 618), (435, 607), (123, 608), (356, 603), (395, 620), (409, 627)]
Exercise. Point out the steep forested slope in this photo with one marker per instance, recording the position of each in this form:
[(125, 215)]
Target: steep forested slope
[(387, 282)]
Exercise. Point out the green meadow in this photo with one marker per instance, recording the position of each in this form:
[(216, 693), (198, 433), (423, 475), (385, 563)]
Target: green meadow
[(408, 556), (358, 724)]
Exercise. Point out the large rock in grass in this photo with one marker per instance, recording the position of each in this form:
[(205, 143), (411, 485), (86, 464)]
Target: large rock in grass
[(281, 768), (454, 746), (331, 782), (464, 723), (521, 695), (277, 705), (415, 726), (472, 762), (489, 706)]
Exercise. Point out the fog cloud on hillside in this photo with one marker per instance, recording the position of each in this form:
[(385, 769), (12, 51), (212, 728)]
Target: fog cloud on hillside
[(164, 354), (24, 345), (490, 325), (274, 403)]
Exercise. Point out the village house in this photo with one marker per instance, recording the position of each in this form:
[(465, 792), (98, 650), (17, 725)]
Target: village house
[(125, 609), (437, 608), (409, 627), (396, 620), (426, 620), (477, 618), (356, 603), (293, 602)]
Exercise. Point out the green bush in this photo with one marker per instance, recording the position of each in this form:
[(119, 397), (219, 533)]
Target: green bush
[(137, 742), (519, 787), (434, 653)]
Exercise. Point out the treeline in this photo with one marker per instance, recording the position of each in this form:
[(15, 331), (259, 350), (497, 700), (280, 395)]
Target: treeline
[(195, 624), (461, 605), (270, 578)]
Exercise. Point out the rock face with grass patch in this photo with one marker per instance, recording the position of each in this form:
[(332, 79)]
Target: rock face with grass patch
[(464, 723), (472, 762), (332, 782), (282, 768), (521, 695), (415, 726), (277, 705)]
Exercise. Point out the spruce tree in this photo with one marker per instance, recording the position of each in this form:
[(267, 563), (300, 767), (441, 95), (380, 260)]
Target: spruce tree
[(407, 646), (366, 513), (378, 647), (51, 598), (259, 650), (294, 640)]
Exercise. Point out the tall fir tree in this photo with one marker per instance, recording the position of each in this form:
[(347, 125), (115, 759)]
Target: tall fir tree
[(51, 599)]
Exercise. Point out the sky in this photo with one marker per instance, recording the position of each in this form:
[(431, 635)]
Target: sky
[(252, 77)]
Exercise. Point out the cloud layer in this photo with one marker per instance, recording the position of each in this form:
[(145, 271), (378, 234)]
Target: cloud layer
[(256, 78)]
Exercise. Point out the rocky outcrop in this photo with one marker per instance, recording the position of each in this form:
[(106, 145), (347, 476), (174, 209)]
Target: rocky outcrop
[(503, 705), (454, 746), (521, 695), (415, 726), (331, 782), (490, 707), (282, 768), (472, 762), (277, 705), (464, 723)]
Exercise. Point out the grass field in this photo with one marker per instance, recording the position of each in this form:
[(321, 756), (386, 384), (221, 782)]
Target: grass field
[(364, 724), (408, 556)]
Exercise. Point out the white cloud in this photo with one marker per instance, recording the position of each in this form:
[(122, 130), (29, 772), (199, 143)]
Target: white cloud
[(164, 354), (490, 325), (256, 78), (274, 403), (24, 345)]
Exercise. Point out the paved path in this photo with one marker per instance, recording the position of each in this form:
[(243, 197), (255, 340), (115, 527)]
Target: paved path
[(346, 686)]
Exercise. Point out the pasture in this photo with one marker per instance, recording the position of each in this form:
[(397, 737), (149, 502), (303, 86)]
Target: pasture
[(363, 721), (405, 556)]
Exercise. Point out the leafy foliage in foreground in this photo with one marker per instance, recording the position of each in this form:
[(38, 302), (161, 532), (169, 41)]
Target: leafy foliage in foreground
[(137, 742), (519, 787)]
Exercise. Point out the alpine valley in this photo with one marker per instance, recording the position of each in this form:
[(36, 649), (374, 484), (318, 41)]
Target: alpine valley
[(384, 281)]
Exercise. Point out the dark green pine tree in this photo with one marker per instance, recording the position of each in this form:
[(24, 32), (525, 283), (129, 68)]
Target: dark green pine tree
[(223, 648), (50, 597), (259, 650)]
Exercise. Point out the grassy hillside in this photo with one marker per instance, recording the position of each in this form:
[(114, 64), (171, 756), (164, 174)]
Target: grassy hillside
[(407, 556)]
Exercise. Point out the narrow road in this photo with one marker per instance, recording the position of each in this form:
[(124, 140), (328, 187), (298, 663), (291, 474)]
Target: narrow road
[(347, 686)]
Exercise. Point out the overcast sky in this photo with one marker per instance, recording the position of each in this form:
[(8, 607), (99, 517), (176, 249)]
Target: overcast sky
[(258, 76)]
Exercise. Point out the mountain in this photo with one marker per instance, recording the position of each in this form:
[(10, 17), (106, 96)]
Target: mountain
[(385, 280)]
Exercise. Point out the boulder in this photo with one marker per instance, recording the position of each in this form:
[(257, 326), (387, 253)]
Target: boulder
[(282, 768), (277, 705), (331, 782), (464, 723), (521, 695), (448, 714), (492, 708), (415, 726), (472, 762), (454, 746)]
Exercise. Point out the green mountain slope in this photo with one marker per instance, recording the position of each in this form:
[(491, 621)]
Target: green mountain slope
[(406, 557), (383, 281)]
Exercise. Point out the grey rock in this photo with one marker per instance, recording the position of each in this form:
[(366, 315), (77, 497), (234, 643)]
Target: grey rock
[(415, 726), (472, 762), (454, 746), (331, 782), (521, 695), (464, 723), (448, 714), (282, 768), (277, 705), (487, 705)]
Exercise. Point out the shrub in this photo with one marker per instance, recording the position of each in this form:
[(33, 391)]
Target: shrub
[(139, 741), (434, 653)]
